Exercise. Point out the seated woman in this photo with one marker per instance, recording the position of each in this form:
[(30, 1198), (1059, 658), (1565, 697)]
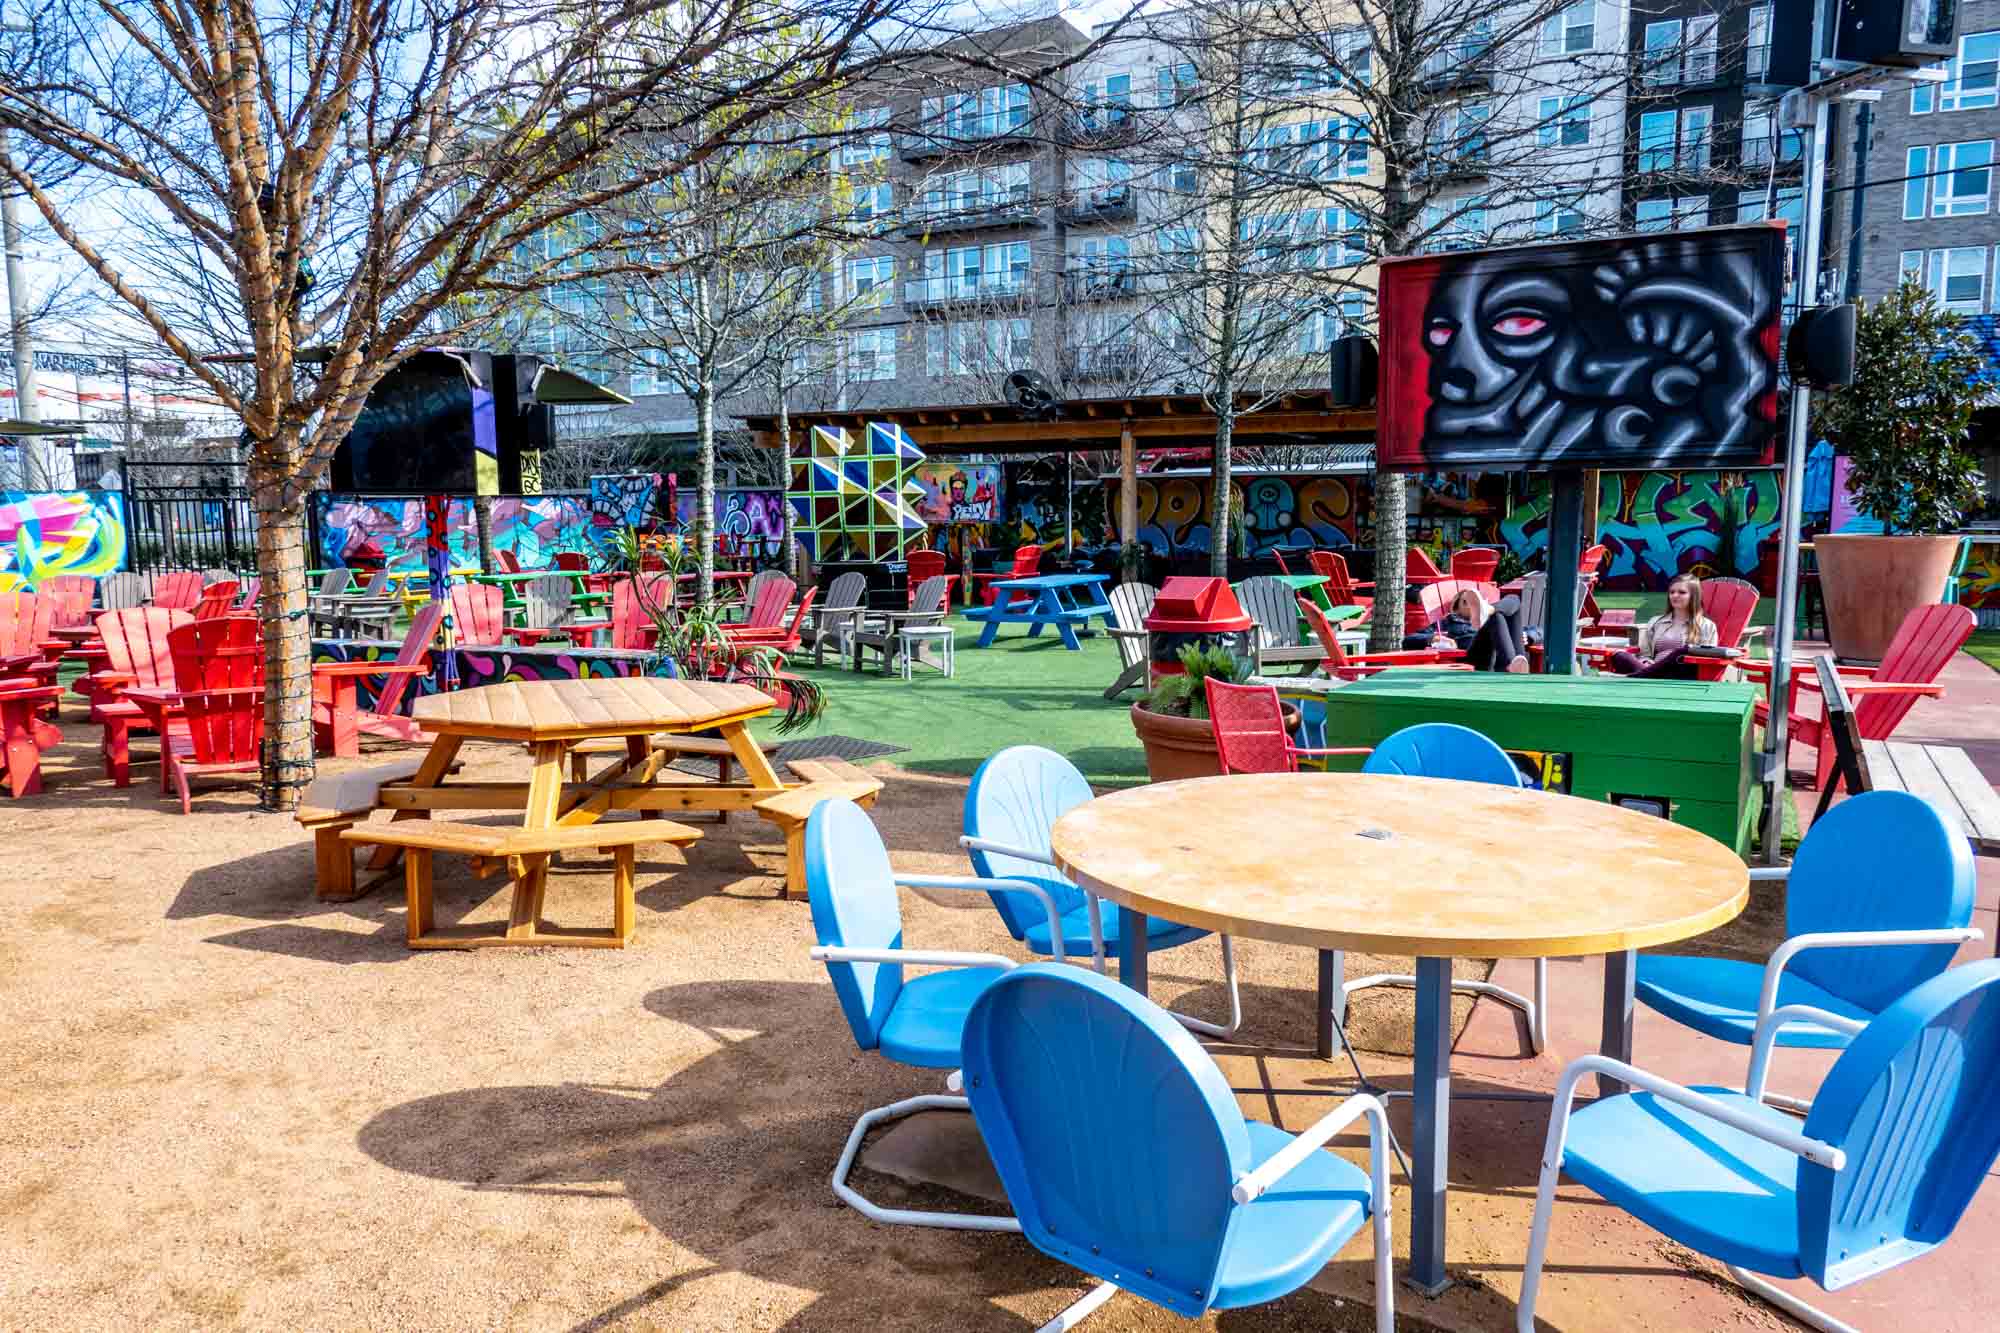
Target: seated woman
[(1491, 638), (1665, 639)]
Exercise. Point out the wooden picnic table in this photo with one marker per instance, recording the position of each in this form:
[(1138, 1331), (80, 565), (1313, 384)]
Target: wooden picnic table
[(1336, 861), (550, 717), (1945, 776), (1063, 600)]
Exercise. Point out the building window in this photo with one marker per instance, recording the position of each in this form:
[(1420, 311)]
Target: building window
[(1910, 267), (871, 354), (871, 281), (1957, 277), (977, 346), (862, 146), (1100, 179), (1963, 180), (1670, 214), (1355, 49), (1456, 226), (1175, 83), (1916, 182), (1757, 43), (1790, 208), (1564, 121), (1571, 30), (1970, 76), (873, 202), (1675, 140), (1107, 101), (1760, 130), (986, 114), (1681, 51), (1557, 217), (969, 192), (975, 270)]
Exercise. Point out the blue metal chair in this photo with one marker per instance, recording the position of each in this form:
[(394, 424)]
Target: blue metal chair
[(1879, 897), (1124, 1153), (1900, 1137), (1014, 801), (1446, 750), (913, 1020)]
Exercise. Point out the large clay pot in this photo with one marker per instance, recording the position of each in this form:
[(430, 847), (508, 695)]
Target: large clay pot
[(1184, 747), (1872, 583)]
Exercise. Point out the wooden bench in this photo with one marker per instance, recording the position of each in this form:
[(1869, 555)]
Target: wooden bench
[(420, 840), (825, 780), (335, 803), (703, 747)]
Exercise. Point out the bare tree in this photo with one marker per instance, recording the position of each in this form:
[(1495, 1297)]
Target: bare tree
[(344, 176)]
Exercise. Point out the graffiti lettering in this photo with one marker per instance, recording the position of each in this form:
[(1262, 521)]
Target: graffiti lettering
[(46, 533)]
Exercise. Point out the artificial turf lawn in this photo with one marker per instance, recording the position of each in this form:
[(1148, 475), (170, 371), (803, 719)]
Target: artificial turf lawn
[(1985, 645)]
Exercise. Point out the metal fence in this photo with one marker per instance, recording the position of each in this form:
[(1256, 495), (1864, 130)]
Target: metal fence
[(189, 517)]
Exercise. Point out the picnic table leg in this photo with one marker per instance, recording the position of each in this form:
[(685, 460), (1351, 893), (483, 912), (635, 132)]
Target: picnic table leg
[(343, 727), (1332, 1006), (1132, 948), (1620, 976), (757, 770), (545, 787), (1431, 1150), (437, 763), (992, 626), (1052, 604)]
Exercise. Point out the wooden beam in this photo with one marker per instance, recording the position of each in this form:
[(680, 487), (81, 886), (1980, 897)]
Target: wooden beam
[(1128, 483)]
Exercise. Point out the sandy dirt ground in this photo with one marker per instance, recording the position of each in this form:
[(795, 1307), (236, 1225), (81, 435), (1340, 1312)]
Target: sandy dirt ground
[(229, 1106)]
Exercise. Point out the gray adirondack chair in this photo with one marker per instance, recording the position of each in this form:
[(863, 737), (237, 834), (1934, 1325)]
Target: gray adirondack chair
[(545, 604), (211, 576), (837, 618), (881, 632), (1275, 608), (1535, 604), (124, 589), (1131, 603)]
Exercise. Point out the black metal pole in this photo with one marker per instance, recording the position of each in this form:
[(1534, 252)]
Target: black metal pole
[(1863, 118), (1565, 553)]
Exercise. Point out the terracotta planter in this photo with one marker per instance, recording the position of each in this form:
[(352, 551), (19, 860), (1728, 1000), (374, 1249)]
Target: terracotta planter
[(1872, 583), (1184, 747)]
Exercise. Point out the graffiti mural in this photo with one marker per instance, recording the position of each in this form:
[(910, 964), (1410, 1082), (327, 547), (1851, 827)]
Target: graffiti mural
[(958, 492), (388, 531), (640, 500), (1647, 351), (1981, 589), (46, 533), (1176, 513), (755, 517), (1659, 524)]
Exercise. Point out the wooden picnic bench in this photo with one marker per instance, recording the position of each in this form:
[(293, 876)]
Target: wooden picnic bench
[(825, 780)]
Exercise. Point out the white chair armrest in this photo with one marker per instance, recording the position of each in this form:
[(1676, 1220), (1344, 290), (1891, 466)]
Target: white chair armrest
[(1825, 1154), (974, 884), (1768, 1028), (1782, 956), (1316, 1136), (1770, 874), (972, 844), (835, 953)]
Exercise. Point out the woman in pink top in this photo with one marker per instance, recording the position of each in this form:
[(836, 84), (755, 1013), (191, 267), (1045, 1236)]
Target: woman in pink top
[(1664, 640)]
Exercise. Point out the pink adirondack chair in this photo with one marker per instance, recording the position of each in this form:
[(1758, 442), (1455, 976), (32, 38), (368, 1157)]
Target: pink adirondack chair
[(631, 627), (246, 597), (509, 562), (338, 721), (478, 615), (1884, 695), (219, 666), (1250, 735), (24, 628), (72, 595), (178, 591), (136, 656), (1435, 599), (785, 638), (1342, 665), (216, 600)]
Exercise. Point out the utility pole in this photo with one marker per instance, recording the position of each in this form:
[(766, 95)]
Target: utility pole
[(26, 407)]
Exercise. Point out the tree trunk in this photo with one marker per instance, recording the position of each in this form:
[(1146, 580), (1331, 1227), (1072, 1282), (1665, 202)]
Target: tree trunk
[(1220, 509), (1391, 542), (482, 518), (704, 497), (786, 553), (287, 636)]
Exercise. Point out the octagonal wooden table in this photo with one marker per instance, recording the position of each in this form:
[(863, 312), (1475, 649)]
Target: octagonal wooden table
[(1404, 866), (551, 716)]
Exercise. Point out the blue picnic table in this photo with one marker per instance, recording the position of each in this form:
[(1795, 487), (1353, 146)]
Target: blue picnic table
[(1062, 600)]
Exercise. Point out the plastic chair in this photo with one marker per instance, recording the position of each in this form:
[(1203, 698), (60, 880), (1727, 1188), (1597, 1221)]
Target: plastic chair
[(1337, 662), (1250, 735), (1851, 945), (858, 922), (219, 669), (1447, 750), (1010, 810), (1476, 563), (1898, 1140), (1124, 1154)]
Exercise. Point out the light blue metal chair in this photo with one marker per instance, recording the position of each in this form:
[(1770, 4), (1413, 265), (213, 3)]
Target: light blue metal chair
[(1900, 1137), (1013, 804), (1878, 899), (1124, 1153), (1447, 750), (913, 1020)]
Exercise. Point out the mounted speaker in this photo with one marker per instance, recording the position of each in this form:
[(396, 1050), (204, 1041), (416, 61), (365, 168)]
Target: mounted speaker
[(1029, 391), (1904, 33), (1819, 351), (1353, 367)]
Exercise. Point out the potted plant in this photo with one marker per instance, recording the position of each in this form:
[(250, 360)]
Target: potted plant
[(1172, 720), (1902, 425), (691, 645)]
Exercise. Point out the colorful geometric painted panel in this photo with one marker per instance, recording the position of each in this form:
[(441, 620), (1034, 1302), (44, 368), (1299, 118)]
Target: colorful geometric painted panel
[(46, 533), (857, 499)]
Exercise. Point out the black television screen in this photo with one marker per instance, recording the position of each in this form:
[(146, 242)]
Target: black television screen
[(419, 431)]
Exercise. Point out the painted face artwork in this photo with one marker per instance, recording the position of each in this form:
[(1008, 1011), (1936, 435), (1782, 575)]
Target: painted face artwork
[(1661, 351)]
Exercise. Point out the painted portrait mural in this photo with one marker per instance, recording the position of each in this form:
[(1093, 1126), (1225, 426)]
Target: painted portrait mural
[(46, 533), (1655, 351)]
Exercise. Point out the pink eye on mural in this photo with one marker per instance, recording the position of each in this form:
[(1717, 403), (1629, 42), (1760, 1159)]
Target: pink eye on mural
[(1519, 326), (1437, 335)]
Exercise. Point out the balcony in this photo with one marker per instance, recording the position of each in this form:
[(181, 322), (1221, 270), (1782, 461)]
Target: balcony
[(1016, 210), (1466, 166), (1687, 160), (925, 145), (964, 289), (1111, 126), (1677, 70), (1459, 67), (1115, 203), (1100, 282), (1110, 360)]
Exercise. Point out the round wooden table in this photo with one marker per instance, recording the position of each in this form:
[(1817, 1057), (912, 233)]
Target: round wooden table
[(1397, 865)]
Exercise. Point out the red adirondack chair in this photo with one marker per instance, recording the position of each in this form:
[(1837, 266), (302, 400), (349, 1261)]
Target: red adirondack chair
[(219, 668), (1341, 589), (1027, 563), (1883, 695), (576, 562), (1477, 563), (24, 630), (784, 639), (478, 615), (509, 562), (338, 721), (929, 565), (178, 591), (1341, 665), (216, 600), (1592, 559), (72, 595), (631, 626), (136, 656), (23, 733), (1250, 735), (767, 613)]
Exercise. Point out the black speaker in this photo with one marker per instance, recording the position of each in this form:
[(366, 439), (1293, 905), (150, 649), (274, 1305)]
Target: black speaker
[(1819, 351), (1904, 33), (1352, 366)]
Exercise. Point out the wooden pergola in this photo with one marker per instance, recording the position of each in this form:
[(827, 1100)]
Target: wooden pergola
[(1087, 425)]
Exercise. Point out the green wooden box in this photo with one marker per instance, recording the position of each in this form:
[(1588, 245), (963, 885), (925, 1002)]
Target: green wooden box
[(1687, 742)]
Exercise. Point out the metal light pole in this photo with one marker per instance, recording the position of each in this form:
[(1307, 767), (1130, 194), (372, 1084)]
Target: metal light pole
[(26, 406)]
